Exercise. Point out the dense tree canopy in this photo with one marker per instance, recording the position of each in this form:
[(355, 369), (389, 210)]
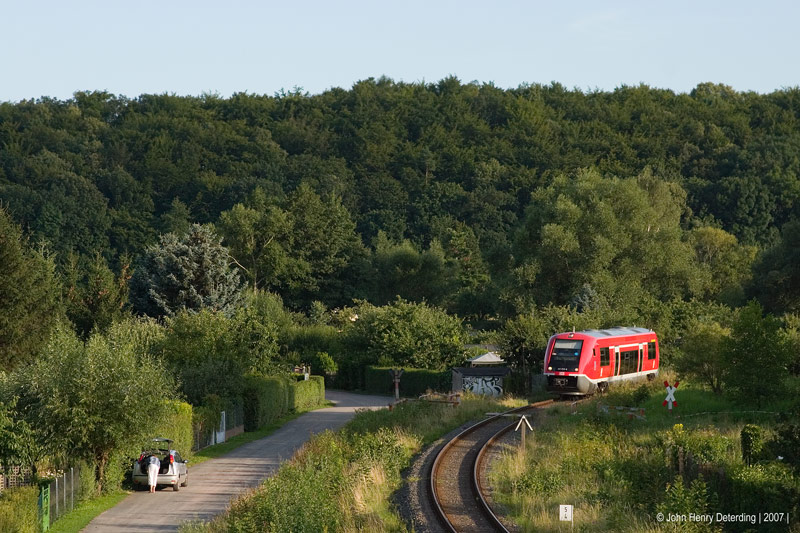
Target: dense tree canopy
[(29, 304), (315, 176), (596, 241)]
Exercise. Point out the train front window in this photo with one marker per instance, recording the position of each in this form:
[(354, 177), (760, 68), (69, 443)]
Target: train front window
[(566, 355)]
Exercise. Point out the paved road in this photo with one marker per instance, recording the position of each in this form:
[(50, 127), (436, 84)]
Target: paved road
[(214, 483)]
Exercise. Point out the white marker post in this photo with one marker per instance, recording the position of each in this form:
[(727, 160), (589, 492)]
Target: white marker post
[(519, 425), (396, 373), (565, 514), (670, 399)]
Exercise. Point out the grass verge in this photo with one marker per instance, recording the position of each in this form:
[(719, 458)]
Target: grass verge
[(85, 512)]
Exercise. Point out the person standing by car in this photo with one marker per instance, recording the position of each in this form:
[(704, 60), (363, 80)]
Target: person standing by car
[(153, 466)]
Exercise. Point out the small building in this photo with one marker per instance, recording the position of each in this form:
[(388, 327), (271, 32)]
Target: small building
[(485, 380)]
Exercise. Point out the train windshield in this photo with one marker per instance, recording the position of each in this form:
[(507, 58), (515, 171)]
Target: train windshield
[(566, 355)]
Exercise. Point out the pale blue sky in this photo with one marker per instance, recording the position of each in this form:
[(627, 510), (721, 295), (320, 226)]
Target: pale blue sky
[(54, 48)]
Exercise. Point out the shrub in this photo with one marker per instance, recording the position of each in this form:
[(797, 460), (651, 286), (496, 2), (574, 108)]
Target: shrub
[(19, 510), (410, 334), (306, 394), (786, 444), (683, 500), (762, 488), (752, 442), (413, 382), (176, 424), (265, 400)]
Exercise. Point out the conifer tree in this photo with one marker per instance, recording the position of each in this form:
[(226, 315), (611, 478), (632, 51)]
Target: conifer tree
[(29, 303), (193, 271)]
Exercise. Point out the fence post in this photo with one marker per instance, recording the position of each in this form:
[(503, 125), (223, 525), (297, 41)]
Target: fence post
[(72, 487), (57, 513), (44, 507)]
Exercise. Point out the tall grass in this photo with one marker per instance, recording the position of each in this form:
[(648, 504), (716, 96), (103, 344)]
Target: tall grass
[(343, 481), (619, 473)]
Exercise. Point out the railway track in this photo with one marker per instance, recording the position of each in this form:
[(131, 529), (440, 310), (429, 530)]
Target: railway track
[(456, 480)]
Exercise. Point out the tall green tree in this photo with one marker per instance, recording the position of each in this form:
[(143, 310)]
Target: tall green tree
[(701, 356), (189, 272), (409, 334), (95, 297), (756, 345), (95, 400), (29, 301), (620, 238), (776, 274), (304, 249)]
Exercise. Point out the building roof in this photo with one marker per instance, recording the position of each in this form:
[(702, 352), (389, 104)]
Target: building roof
[(489, 358)]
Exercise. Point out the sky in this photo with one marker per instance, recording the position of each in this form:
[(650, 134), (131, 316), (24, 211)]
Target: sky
[(54, 48)]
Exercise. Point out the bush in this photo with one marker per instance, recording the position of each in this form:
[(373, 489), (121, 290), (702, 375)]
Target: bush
[(752, 437), (762, 488), (19, 510), (413, 382), (265, 400), (176, 424), (306, 394), (786, 444)]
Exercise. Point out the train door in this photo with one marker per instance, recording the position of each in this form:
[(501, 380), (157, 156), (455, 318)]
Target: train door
[(628, 357), (606, 370), (640, 362)]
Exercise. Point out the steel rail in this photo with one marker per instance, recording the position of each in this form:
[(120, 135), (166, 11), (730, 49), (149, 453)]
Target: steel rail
[(483, 507)]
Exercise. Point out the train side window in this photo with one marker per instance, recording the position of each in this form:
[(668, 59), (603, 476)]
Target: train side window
[(651, 351), (605, 360)]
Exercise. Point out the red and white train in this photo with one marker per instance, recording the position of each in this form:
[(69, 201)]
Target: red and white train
[(585, 362)]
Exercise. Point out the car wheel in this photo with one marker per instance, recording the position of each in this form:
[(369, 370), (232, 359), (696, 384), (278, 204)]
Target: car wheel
[(176, 487), (185, 481)]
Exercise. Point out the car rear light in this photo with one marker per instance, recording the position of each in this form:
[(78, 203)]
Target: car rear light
[(171, 458)]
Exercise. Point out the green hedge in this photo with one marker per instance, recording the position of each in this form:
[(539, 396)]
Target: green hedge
[(177, 425), (413, 382), (307, 394), (267, 399), (19, 510)]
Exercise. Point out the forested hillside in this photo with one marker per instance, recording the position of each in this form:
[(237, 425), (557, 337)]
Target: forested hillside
[(209, 245), (458, 194)]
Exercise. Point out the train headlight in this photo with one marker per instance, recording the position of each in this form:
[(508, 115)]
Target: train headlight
[(549, 368), (576, 370)]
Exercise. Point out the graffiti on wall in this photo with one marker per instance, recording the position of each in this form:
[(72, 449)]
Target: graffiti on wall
[(485, 385)]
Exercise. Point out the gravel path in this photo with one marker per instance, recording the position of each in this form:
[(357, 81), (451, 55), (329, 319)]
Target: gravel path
[(214, 483)]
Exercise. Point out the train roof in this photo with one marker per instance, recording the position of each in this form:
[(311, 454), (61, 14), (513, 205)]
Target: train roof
[(613, 332)]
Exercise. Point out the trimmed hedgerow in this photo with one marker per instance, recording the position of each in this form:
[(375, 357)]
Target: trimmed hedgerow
[(307, 394), (413, 382), (267, 399)]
